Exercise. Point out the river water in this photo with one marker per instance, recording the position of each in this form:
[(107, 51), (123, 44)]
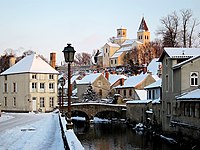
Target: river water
[(116, 136)]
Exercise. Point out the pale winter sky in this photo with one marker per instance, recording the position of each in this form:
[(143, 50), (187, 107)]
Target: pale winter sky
[(47, 26)]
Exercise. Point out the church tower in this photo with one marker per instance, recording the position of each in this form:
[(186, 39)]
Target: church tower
[(121, 35), (143, 34)]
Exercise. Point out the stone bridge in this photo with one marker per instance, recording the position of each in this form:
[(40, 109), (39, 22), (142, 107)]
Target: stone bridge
[(92, 109)]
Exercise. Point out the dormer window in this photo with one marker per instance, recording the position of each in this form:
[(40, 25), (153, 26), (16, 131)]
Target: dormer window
[(34, 76), (194, 79)]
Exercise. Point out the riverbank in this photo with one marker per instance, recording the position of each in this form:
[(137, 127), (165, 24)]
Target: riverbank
[(177, 140)]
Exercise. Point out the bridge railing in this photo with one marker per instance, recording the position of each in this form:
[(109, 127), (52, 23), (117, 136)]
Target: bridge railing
[(70, 140)]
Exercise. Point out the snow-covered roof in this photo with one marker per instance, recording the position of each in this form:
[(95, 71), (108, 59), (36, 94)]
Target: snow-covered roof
[(112, 44), (180, 52), (117, 54), (128, 42), (156, 101), (74, 78), (153, 66), (142, 94), (121, 50), (132, 81), (114, 77), (192, 95), (30, 64), (125, 48), (154, 85), (89, 78), (138, 102), (155, 77), (122, 27), (185, 62)]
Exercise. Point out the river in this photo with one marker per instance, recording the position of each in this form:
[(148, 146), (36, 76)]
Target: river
[(115, 136)]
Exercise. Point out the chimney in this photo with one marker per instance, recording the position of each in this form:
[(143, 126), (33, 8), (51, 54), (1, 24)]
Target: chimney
[(107, 75), (12, 60), (144, 69), (121, 81), (53, 60)]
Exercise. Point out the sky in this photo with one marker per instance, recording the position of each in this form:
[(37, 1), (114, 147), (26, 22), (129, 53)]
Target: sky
[(46, 26)]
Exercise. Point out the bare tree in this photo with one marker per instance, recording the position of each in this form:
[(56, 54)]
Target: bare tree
[(82, 58), (170, 29), (177, 34), (111, 39), (186, 15)]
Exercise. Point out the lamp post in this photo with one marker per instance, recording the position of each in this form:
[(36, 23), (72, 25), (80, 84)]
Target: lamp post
[(69, 58), (62, 83), (59, 95)]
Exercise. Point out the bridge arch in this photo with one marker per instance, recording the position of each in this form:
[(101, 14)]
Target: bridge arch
[(92, 109)]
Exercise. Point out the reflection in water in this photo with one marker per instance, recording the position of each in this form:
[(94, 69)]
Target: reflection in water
[(115, 137)]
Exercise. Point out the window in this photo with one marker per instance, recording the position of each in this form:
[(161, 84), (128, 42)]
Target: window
[(153, 94), (51, 86), (14, 101), (51, 76), (168, 108), (5, 87), (149, 92), (130, 92), (14, 87), (167, 82), (118, 91), (100, 92), (99, 83), (51, 101), (194, 79), (125, 93), (111, 61), (5, 77), (34, 76), (166, 61), (42, 102), (41, 85), (115, 61), (106, 50), (34, 85), (5, 101)]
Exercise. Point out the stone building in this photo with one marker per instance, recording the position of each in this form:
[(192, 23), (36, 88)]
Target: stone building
[(29, 85), (113, 52), (134, 83), (180, 94), (99, 84)]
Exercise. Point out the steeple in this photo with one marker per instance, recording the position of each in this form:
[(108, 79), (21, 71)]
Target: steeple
[(143, 34), (143, 25)]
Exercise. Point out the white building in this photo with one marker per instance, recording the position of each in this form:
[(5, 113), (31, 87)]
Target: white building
[(29, 85)]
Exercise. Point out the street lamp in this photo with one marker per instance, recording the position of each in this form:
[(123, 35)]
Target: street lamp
[(59, 96), (69, 58), (62, 83)]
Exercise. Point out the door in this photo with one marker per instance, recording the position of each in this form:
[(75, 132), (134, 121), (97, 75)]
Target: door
[(34, 106)]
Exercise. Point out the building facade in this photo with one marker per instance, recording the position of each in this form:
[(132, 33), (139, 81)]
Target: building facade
[(29, 85), (114, 52), (180, 70)]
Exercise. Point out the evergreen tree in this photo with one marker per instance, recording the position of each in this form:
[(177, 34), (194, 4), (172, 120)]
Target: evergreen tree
[(90, 94)]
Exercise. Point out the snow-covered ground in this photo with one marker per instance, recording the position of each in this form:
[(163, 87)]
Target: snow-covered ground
[(20, 131)]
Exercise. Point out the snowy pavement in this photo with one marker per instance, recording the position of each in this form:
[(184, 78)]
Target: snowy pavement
[(20, 131)]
